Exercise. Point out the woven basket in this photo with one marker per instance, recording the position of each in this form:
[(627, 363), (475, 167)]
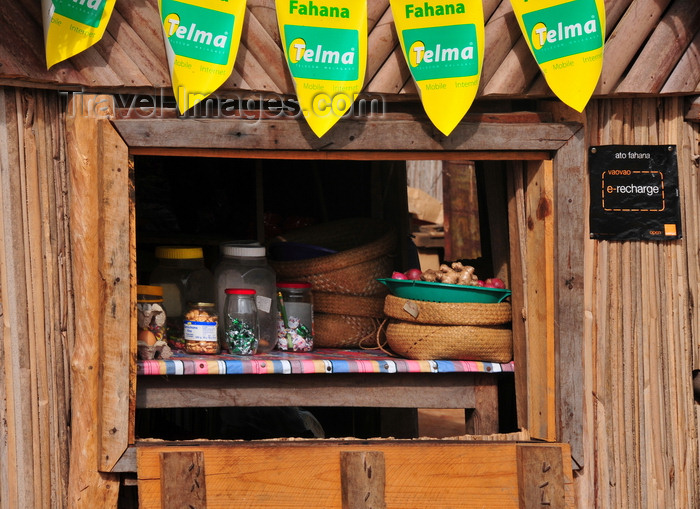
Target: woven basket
[(364, 246), (447, 313), (353, 305), (459, 342), (344, 331)]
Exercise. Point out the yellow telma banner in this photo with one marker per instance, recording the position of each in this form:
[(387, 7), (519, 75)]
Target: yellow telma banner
[(72, 26), (566, 38), (325, 44), (201, 41), (444, 48)]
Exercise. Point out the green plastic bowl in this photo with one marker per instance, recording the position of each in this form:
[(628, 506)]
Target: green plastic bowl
[(444, 292)]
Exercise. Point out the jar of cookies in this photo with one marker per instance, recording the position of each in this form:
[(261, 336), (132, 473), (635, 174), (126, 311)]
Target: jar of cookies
[(200, 328)]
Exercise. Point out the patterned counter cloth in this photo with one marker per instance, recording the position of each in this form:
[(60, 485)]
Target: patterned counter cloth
[(319, 361)]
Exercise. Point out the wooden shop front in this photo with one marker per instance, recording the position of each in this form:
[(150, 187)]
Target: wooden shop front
[(605, 333), (541, 163)]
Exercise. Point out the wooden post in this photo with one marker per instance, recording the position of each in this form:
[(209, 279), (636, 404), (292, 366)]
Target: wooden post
[(483, 418)]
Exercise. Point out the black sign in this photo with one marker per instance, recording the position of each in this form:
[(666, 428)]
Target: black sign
[(634, 192)]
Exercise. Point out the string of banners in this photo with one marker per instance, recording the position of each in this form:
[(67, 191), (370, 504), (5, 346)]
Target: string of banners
[(325, 46)]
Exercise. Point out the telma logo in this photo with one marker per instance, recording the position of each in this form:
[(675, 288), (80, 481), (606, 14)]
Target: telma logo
[(173, 27), (419, 54), (541, 35)]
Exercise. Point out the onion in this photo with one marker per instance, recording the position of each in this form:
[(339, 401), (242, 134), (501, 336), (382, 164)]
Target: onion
[(413, 274)]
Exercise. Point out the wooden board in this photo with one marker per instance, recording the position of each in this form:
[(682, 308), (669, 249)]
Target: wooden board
[(518, 280), (310, 474), (366, 135), (569, 246), (539, 258), (102, 289)]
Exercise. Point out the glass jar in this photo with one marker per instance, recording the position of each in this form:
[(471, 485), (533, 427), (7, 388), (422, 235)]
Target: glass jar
[(150, 314), (295, 331), (200, 325), (181, 273), (244, 265), (241, 333)]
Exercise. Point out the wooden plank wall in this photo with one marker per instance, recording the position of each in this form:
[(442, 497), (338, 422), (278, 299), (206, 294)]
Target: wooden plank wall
[(36, 337), (641, 425)]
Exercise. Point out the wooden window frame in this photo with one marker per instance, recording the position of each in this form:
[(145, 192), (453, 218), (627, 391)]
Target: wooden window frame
[(551, 154)]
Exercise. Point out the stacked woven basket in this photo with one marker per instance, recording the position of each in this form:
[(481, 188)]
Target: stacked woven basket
[(348, 299), (445, 330)]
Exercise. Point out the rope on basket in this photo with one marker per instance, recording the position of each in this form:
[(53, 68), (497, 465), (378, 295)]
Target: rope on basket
[(380, 345)]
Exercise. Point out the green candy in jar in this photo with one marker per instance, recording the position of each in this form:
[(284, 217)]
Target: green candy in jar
[(241, 334)]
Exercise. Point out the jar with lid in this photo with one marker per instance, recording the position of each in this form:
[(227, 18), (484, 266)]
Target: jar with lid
[(182, 274), (244, 265), (241, 332), (150, 314), (200, 328), (296, 317)]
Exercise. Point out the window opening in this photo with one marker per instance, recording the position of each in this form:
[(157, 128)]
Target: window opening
[(206, 201)]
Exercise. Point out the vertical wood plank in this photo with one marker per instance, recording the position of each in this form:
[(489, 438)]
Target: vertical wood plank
[(87, 487), (518, 282), (362, 479), (569, 174), (183, 485), (117, 326), (539, 239)]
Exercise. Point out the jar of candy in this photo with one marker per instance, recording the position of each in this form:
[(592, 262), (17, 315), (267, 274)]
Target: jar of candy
[(296, 317), (244, 265), (181, 272), (200, 328), (241, 333), (150, 314)]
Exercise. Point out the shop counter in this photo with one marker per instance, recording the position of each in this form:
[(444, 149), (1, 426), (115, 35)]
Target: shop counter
[(324, 377)]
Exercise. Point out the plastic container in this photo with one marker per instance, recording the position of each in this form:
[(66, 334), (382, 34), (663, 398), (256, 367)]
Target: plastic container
[(295, 330), (181, 273), (150, 314), (241, 333), (245, 266), (200, 324), (444, 292)]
